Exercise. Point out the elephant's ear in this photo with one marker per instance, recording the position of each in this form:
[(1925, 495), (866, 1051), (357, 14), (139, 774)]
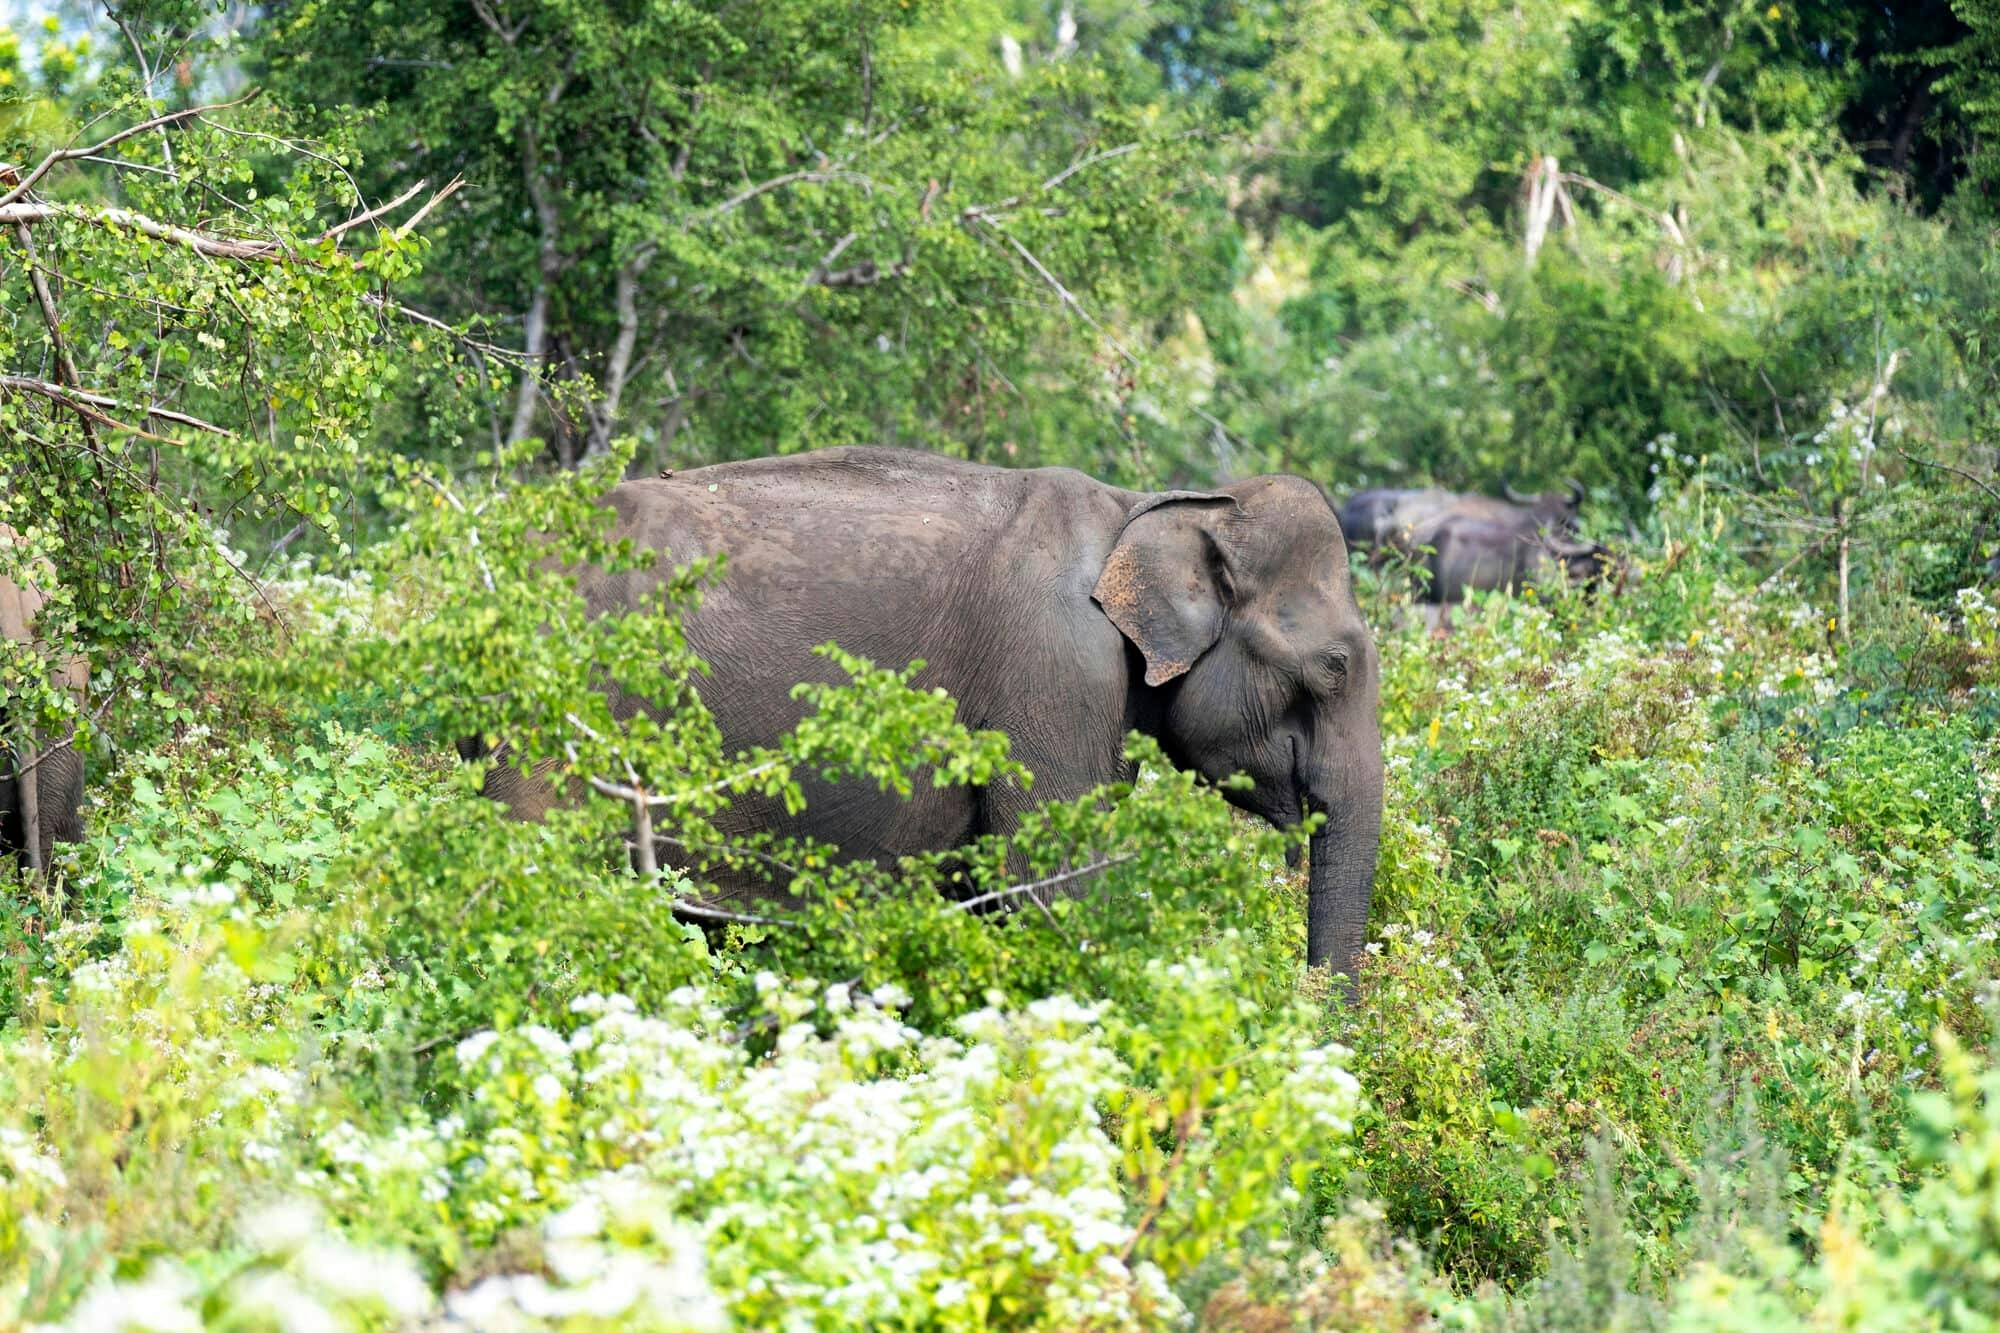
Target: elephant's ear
[(1166, 583)]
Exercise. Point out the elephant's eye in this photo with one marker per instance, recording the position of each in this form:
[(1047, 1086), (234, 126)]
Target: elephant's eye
[(1333, 670)]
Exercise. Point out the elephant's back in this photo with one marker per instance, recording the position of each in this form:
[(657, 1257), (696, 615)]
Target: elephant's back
[(893, 554), (840, 523)]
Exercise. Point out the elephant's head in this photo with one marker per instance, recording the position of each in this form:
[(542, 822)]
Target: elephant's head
[(1240, 605)]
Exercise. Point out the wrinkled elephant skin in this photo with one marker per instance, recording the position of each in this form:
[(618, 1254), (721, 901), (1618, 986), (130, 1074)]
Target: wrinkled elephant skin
[(54, 793)]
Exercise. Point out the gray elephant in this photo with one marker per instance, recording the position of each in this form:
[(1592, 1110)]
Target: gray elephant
[(42, 811), (1369, 517), (1060, 610), (1395, 520), (1469, 554)]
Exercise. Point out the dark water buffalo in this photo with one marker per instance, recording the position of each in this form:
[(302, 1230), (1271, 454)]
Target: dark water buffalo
[(41, 811), (1052, 607)]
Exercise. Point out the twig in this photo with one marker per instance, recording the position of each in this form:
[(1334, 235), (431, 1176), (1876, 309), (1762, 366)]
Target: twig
[(735, 202), (624, 792), (1946, 467), (416, 316), (62, 155), (1067, 296), (682, 905), (1062, 878), (78, 400), (1185, 1131), (729, 849), (1090, 161), (471, 531)]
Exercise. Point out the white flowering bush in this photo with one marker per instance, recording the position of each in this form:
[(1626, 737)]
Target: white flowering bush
[(147, 1101), (811, 1161), (287, 1269), (1047, 1163)]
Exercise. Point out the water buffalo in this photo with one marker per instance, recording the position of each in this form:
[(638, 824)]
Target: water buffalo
[(1370, 517)]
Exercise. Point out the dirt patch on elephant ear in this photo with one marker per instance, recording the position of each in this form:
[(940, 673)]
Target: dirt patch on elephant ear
[(1132, 604), (1120, 587)]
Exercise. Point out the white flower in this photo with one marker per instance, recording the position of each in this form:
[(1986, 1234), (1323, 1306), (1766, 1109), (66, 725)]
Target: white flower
[(472, 1048), (159, 1302)]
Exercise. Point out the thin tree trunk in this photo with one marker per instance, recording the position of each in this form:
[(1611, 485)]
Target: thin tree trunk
[(548, 265), (24, 236), (27, 786), (1840, 517), (642, 836), (619, 368), (533, 345)]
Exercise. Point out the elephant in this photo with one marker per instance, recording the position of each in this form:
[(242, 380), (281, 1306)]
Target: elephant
[(1395, 520), (1369, 517), (46, 806), (1470, 553), (1056, 608)]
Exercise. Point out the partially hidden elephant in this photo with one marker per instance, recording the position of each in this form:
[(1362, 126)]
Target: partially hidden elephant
[(1053, 607), (1386, 520), (1469, 554), (50, 801), (1476, 542)]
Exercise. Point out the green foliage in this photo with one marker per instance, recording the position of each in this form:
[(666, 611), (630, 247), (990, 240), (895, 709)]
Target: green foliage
[(765, 230), (454, 917), (633, 1157), (1684, 929), (1080, 900)]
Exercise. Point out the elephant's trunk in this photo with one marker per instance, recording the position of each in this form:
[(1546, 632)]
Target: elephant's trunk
[(1342, 878)]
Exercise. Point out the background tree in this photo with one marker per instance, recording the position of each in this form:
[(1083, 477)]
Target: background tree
[(748, 229)]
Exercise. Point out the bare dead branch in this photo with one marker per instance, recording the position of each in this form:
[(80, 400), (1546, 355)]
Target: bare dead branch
[(865, 274), (451, 187), (200, 241), (124, 219), (370, 215)]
